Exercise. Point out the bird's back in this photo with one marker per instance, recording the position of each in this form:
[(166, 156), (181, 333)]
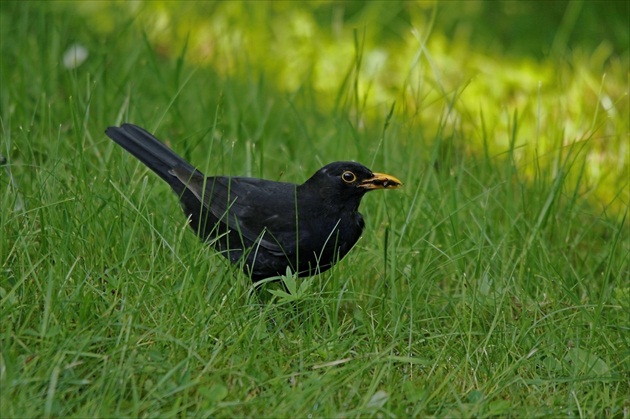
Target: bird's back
[(269, 225)]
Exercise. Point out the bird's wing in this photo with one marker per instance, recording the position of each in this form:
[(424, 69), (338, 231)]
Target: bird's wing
[(263, 212)]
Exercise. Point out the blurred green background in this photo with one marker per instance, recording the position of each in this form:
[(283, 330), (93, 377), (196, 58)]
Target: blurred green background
[(554, 73)]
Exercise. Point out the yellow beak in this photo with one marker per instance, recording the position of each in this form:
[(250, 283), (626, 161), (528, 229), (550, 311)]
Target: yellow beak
[(380, 181)]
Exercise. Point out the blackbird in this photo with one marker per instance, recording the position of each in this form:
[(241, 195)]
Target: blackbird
[(266, 225)]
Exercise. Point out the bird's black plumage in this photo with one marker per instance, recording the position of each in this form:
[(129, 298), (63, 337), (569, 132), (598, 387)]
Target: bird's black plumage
[(267, 225)]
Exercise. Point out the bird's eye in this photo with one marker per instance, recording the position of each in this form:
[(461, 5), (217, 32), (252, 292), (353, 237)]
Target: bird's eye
[(348, 176)]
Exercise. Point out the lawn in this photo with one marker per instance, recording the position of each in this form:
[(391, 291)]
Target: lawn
[(495, 283)]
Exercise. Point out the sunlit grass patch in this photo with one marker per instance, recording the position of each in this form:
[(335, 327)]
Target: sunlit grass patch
[(573, 95)]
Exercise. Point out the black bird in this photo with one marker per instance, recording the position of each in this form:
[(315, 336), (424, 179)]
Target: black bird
[(266, 225)]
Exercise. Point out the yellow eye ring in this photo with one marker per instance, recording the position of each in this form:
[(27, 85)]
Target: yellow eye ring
[(348, 176)]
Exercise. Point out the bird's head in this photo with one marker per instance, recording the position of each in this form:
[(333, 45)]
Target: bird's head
[(346, 181)]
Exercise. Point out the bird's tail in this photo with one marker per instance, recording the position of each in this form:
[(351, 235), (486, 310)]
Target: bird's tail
[(152, 152)]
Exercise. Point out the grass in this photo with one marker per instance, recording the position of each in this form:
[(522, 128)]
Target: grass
[(494, 284)]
